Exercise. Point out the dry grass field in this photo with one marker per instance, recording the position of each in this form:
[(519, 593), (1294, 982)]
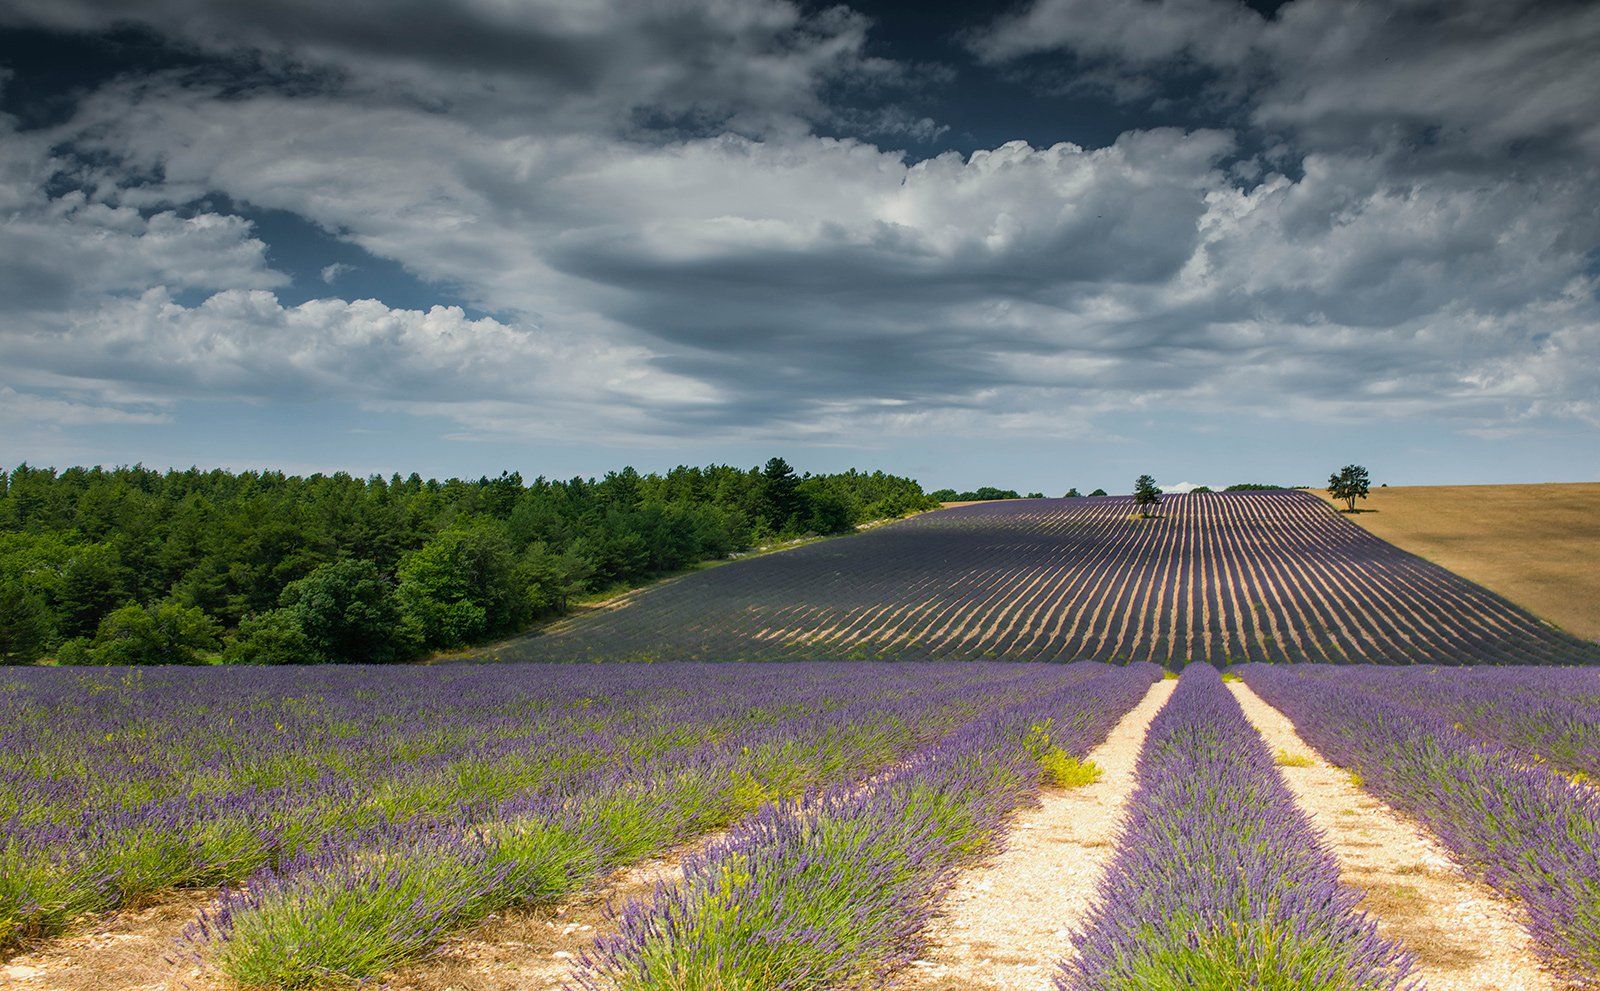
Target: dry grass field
[(1537, 545)]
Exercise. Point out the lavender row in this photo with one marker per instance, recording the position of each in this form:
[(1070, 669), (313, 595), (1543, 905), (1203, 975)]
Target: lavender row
[(1543, 715), (360, 906), (1220, 881), (122, 783), (1525, 830), (835, 891)]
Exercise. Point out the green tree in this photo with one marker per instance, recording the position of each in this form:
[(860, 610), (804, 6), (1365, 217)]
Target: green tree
[(272, 637), (1349, 484), (780, 491), (1098, 492), (458, 587), (1073, 493), (1146, 495), (552, 578), (26, 626), (827, 510), (164, 633), (92, 582), (347, 611)]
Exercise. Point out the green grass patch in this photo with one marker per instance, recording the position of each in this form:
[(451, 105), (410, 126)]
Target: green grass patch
[(1062, 770), (1285, 759)]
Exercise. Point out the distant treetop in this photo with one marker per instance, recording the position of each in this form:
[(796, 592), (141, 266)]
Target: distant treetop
[(984, 494)]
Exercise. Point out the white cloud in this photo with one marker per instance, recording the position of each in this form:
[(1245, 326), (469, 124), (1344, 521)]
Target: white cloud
[(62, 250), (247, 345), (30, 408), (1139, 33)]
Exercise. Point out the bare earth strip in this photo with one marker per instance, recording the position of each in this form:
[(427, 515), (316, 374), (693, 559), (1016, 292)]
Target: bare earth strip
[(1463, 935), (1006, 925), (126, 950)]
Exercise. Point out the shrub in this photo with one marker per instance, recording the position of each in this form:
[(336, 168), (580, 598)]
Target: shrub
[(165, 633)]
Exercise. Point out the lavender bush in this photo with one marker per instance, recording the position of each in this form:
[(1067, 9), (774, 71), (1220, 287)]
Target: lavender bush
[(1220, 882), (1528, 831)]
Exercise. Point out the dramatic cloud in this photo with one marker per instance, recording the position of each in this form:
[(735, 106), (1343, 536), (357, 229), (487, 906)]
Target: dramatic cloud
[(1391, 214), (749, 64), (1442, 77), (69, 248)]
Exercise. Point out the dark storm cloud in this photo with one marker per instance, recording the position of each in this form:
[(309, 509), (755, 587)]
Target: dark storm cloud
[(1447, 81), (698, 62)]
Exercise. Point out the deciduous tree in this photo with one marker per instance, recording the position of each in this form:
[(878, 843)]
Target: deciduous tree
[(1349, 484), (1146, 495)]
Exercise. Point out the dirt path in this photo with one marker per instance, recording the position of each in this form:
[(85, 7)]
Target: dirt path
[(126, 950), (534, 949), (1005, 926), (1464, 936)]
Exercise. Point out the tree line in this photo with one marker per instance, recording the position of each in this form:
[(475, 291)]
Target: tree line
[(130, 565), (985, 493)]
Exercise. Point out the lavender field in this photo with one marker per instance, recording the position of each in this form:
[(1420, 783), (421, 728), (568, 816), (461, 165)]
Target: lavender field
[(347, 825), (1219, 577), (357, 816)]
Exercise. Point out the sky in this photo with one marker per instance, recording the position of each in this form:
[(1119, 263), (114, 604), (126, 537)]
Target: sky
[(1041, 244)]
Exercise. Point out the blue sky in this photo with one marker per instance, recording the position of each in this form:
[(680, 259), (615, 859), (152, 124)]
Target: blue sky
[(1046, 244)]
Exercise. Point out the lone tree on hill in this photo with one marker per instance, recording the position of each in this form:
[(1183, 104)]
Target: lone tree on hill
[(1146, 494), (1098, 492), (1073, 493), (1349, 484)]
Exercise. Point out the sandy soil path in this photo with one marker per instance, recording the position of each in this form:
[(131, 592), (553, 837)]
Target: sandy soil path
[(1465, 937), (1006, 924), (125, 950)]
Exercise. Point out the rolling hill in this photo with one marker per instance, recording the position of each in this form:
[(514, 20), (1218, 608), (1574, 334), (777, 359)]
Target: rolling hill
[(1220, 577)]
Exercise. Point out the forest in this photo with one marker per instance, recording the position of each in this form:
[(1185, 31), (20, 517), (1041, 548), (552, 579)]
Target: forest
[(131, 565)]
